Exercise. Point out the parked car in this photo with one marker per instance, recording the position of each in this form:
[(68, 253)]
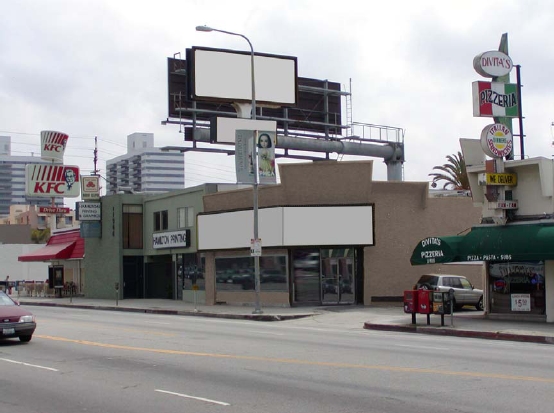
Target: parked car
[(464, 292), (15, 321)]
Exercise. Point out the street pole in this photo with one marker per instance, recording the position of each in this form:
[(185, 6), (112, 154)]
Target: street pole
[(257, 308)]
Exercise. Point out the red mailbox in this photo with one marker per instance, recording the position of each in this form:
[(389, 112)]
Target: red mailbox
[(424, 301), (410, 301)]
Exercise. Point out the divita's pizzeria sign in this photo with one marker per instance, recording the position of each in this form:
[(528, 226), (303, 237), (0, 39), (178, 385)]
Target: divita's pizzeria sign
[(493, 64)]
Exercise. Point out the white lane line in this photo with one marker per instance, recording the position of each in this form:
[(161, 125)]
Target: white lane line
[(264, 332), (422, 347), (193, 397), (29, 365), (156, 322)]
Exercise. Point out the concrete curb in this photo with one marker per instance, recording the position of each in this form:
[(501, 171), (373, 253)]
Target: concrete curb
[(489, 335), (252, 317)]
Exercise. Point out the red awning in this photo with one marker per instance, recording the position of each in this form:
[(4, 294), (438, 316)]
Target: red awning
[(50, 252)]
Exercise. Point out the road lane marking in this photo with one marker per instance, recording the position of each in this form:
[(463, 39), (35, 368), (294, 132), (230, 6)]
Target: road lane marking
[(264, 332), (28, 365), (186, 396), (421, 347), (302, 362)]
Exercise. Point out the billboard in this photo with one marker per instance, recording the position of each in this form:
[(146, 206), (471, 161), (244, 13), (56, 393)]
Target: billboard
[(218, 74), (42, 180), (318, 108)]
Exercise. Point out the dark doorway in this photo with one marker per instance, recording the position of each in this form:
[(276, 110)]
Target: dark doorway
[(133, 277)]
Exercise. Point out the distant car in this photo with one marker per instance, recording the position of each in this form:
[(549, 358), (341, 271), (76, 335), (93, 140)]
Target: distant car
[(15, 321), (464, 292)]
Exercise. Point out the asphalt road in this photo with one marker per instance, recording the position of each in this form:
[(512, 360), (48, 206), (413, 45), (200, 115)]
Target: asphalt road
[(99, 361)]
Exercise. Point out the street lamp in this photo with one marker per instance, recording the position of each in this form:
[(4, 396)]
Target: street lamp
[(257, 308)]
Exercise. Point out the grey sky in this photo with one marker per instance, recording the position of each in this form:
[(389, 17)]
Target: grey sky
[(98, 68)]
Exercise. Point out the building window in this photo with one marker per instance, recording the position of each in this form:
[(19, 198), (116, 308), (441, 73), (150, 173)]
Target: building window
[(185, 217), (237, 273), (68, 220), (160, 221), (132, 226), (517, 288), (41, 221)]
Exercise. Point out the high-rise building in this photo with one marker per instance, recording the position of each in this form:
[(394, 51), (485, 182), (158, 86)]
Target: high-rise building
[(12, 179), (144, 168)]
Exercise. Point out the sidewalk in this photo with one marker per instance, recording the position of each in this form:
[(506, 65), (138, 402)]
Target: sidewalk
[(383, 317)]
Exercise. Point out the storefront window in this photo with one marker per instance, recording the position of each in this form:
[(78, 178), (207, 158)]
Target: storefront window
[(237, 273), (517, 287), (191, 268)]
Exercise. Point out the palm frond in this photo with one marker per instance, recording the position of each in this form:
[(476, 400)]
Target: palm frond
[(453, 173)]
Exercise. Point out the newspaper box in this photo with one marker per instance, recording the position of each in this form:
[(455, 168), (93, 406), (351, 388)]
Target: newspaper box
[(410, 301), (424, 301), (441, 302)]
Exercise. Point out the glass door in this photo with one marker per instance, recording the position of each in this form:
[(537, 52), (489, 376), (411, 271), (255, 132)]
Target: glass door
[(306, 270), (337, 276)]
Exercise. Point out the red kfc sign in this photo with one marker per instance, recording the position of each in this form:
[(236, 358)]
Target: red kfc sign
[(52, 181)]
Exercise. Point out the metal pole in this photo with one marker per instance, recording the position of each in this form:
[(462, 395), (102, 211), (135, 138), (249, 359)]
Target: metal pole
[(519, 110), (257, 308)]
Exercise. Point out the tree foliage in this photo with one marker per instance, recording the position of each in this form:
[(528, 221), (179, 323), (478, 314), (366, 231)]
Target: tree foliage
[(40, 236), (453, 173)]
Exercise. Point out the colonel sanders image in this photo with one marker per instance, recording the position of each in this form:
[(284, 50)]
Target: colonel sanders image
[(69, 175)]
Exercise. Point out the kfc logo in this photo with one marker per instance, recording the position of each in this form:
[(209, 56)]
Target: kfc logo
[(52, 181), (53, 145)]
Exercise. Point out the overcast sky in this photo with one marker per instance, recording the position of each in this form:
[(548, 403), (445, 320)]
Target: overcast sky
[(98, 68)]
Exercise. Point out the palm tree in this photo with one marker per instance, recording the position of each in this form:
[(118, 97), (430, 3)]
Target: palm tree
[(453, 173)]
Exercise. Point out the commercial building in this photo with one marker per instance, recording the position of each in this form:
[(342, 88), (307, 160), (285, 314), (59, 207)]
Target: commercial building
[(514, 238), (144, 168), (330, 235)]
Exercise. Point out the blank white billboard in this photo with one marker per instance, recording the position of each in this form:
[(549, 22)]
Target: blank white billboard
[(226, 74), (222, 130), (288, 226), (328, 225), (235, 229)]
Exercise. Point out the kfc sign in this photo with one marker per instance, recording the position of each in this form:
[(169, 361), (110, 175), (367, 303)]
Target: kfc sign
[(52, 181), (52, 145)]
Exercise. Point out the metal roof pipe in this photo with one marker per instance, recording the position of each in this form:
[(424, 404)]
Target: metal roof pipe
[(386, 151)]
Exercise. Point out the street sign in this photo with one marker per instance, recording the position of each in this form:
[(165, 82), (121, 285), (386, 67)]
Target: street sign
[(256, 247)]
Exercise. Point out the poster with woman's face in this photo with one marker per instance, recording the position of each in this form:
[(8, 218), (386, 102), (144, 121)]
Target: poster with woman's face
[(266, 157), (245, 161)]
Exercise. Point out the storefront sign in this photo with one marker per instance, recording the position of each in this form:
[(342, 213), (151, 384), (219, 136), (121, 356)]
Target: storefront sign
[(495, 99), (489, 257), (88, 211), (497, 140), (90, 187), (433, 250), (493, 64), (173, 239), (53, 210), (521, 302), (52, 181), (503, 205), (498, 179)]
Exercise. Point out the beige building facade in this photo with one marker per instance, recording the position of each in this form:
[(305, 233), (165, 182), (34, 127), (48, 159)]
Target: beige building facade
[(402, 213)]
